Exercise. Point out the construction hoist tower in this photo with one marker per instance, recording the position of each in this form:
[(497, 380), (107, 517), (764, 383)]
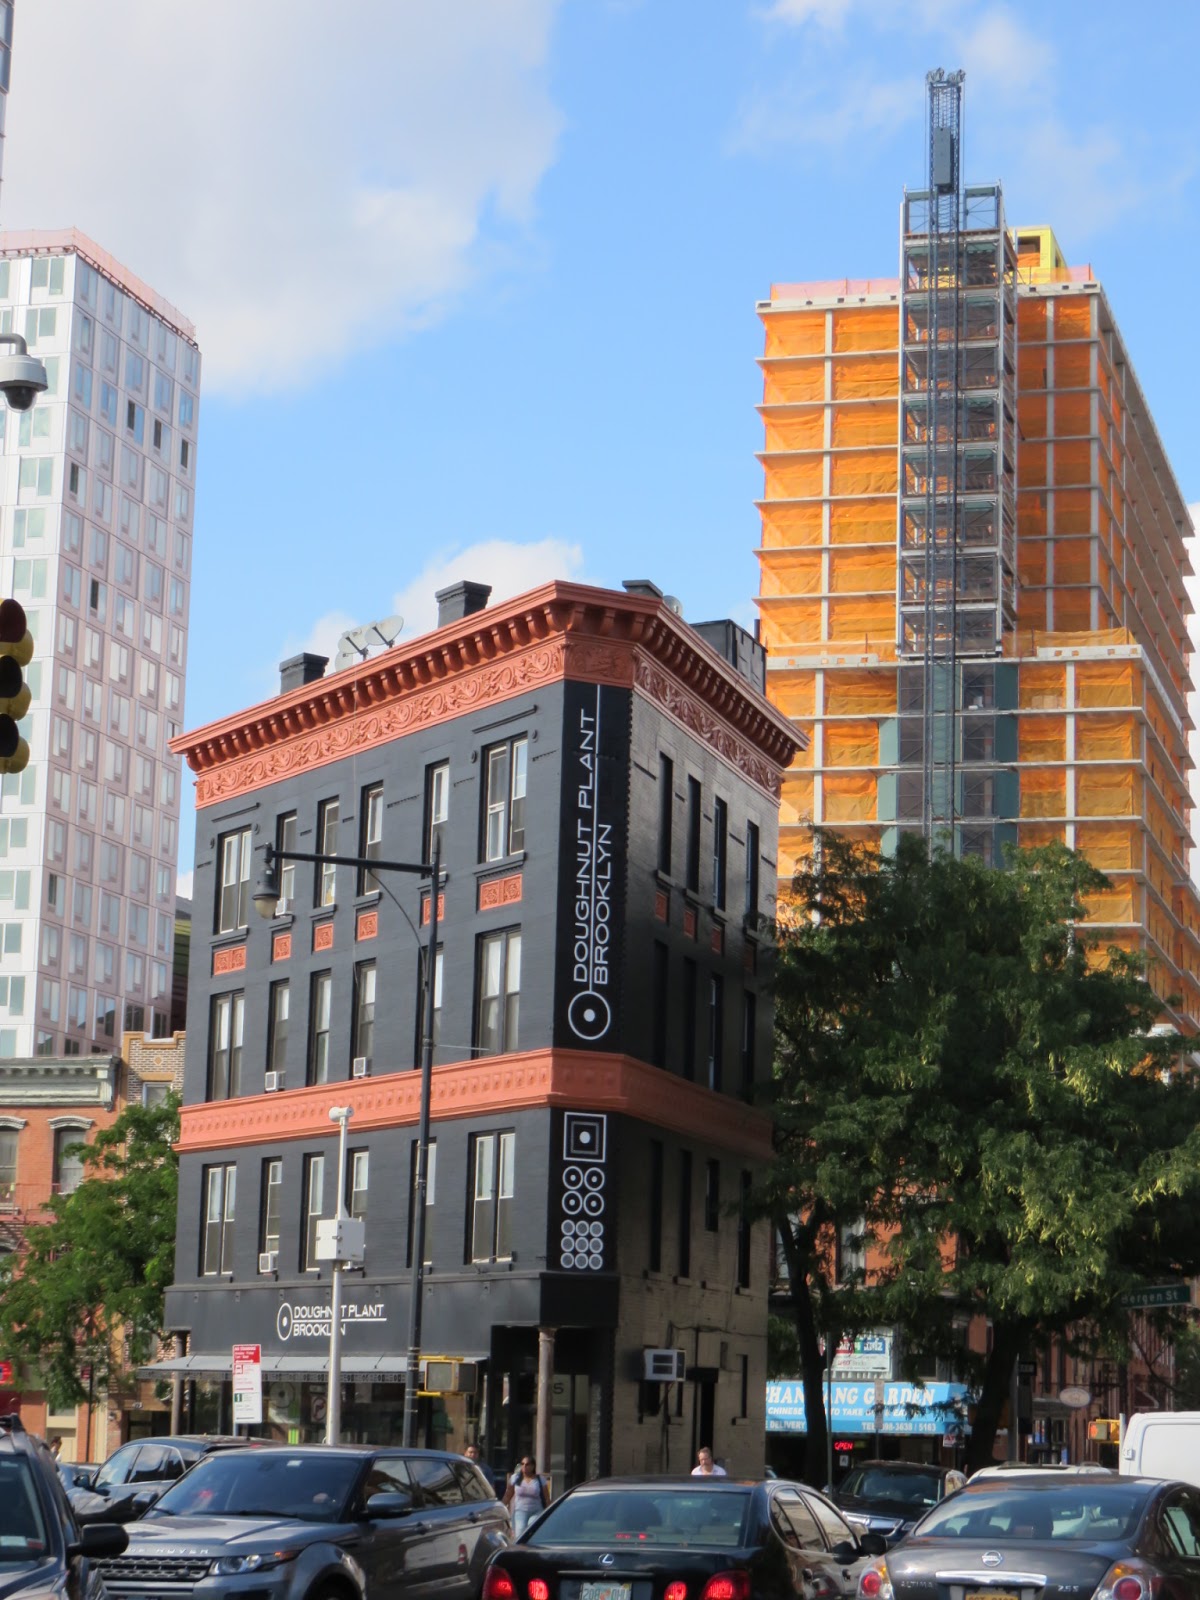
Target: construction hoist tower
[(956, 536)]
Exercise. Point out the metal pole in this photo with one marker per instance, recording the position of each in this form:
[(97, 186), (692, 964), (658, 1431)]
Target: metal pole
[(1014, 1403), (829, 1412), (412, 1373), (333, 1400), (545, 1380)]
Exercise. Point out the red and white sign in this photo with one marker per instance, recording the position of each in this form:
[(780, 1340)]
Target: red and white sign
[(6, 1374), (247, 1383)]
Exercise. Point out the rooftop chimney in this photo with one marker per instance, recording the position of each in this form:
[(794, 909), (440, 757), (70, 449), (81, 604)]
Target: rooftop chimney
[(461, 600), (643, 587), (299, 670)]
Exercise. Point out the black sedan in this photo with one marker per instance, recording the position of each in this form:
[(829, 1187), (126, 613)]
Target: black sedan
[(135, 1475), (683, 1539), (1061, 1539), (889, 1497)]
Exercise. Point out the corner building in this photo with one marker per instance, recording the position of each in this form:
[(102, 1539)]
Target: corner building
[(1068, 717), (604, 782)]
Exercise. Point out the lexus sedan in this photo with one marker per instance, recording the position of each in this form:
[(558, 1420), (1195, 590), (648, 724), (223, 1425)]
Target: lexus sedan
[(1056, 1538), (683, 1539)]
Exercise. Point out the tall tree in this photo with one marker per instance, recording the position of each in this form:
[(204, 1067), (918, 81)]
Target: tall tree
[(996, 1108), (87, 1290)]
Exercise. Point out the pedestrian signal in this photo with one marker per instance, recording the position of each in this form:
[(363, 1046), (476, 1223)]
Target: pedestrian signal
[(16, 652)]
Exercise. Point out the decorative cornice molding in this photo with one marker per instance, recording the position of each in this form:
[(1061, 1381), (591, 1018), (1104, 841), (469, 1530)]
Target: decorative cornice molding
[(559, 631), (577, 1080)]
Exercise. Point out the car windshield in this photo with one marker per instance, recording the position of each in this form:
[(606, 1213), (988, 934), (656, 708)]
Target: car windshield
[(1079, 1511), (22, 1526), (678, 1518), (899, 1488), (264, 1483)]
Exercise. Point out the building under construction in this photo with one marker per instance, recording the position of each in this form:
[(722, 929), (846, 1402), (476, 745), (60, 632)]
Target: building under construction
[(972, 563)]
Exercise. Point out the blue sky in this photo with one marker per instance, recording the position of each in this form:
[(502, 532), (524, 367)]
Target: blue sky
[(475, 280)]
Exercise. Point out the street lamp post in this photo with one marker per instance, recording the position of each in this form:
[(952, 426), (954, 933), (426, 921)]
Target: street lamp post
[(266, 897), (333, 1403)]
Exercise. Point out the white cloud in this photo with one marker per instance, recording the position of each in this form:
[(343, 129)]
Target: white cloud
[(796, 13), (183, 885), (299, 179), (508, 566)]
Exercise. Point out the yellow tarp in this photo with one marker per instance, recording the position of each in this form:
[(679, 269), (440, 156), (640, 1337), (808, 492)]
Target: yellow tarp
[(1043, 792), (792, 631), (866, 328), (851, 744), (864, 474), (859, 620), (792, 574), (865, 378), (794, 692), (797, 798), (1107, 845), (866, 424), (1042, 687), (802, 380), (1103, 683), (1112, 905), (862, 524), (860, 571), (799, 430), (784, 526), (1042, 739), (1106, 792), (849, 692), (1073, 316), (849, 799), (1033, 835), (795, 333), (796, 479), (1103, 738)]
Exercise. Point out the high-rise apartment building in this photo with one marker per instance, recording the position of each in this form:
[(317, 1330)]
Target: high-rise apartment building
[(964, 455), (96, 495)]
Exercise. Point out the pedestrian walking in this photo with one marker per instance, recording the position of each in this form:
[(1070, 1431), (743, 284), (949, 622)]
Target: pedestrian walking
[(472, 1455), (705, 1466), (526, 1495)]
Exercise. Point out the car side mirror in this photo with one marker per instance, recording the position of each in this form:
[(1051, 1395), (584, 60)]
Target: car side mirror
[(393, 1504), (143, 1500), (99, 1540), (872, 1544), (846, 1552), (83, 1480)]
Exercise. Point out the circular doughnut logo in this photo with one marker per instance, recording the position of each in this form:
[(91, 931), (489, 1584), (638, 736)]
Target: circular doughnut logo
[(589, 1015)]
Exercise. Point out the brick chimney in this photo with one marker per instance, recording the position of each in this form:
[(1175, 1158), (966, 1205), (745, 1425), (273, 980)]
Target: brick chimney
[(461, 600)]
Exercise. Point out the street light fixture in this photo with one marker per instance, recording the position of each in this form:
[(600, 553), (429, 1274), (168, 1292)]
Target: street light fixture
[(342, 1246), (266, 899)]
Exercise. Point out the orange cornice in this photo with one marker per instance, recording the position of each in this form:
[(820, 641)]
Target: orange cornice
[(572, 1078), (561, 630)]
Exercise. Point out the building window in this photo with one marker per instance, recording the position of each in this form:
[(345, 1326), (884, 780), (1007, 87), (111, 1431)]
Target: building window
[(752, 852), (720, 851), (504, 800), (327, 832), (319, 997), (272, 1194), (749, 1035), (285, 840), (363, 1042), (666, 806), (660, 999), (430, 1200), (277, 1027), (314, 1191), (225, 1046), (712, 1196), (233, 896), (716, 1029), (370, 836), (691, 997), (220, 1198), (743, 1233), (851, 1260), (437, 807), (655, 1217), (437, 998), (499, 992), (491, 1216), (356, 1200), (8, 1167), (693, 835), (685, 1214)]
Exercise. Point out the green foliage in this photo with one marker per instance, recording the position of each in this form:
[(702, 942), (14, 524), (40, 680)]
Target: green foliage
[(999, 1116), (88, 1289)]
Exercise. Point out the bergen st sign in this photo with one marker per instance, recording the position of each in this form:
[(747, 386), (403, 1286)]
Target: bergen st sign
[(1156, 1294)]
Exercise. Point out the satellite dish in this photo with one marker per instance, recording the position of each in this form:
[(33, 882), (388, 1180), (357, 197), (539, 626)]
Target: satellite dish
[(674, 603), (357, 644)]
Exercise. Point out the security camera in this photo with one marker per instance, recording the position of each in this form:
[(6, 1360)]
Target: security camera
[(22, 376)]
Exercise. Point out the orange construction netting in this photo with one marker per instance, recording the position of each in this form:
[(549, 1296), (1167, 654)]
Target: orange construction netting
[(1072, 415), (1073, 317), (1104, 738), (862, 571), (795, 693), (795, 333), (785, 631), (1104, 683), (792, 574), (862, 524), (864, 474), (850, 744), (849, 798), (786, 526), (795, 479), (1073, 366), (798, 430), (802, 380), (1072, 560), (1042, 688), (796, 801), (866, 424), (1110, 846), (1106, 791), (862, 622), (1041, 739), (866, 378), (848, 693), (1073, 462), (1043, 792), (867, 328)]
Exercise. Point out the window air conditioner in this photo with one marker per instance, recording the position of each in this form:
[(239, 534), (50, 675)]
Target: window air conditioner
[(361, 1067), (664, 1366), (272, 1082), (267, 1260)]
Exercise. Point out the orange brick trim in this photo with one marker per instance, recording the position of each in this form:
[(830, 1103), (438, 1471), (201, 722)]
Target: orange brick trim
[(689, 921), (568, 1078), (662, 905), (716, 940), (323, 936), (281, 947), (708, 718), (229, 960), (366, 925), (495, 892), (425, 909)]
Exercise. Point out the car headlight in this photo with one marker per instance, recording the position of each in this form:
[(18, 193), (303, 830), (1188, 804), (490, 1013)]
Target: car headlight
[(230, 1566)]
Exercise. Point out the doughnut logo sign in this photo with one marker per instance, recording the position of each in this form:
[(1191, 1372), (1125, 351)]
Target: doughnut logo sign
[(583, 1227)]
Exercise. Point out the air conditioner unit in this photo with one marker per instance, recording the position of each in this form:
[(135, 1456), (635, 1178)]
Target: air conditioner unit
[(361, 1067), (664, 1366), (272, 1082), (283, 907), (268, 1260)]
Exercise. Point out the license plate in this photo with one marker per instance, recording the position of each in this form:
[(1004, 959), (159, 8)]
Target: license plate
[(610, 1591), (991, 1594)]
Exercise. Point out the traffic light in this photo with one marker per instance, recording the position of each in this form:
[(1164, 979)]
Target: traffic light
[(1105, 1430), (16, 652)]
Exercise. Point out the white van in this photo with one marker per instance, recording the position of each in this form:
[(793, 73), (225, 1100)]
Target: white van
[(1162, 1444)]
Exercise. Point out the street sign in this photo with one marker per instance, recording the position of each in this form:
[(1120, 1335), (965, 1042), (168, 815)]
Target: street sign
[(1026, 1369), (6, 1374), (1158, 1294), (247, 1383), (880, 1393), (1075, 1396)]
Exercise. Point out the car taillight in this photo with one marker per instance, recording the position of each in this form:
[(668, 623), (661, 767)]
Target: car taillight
[(875, 1583), (539, 1589), (727, 1586), (1127, 1589), (497, 1585), (675, 1591), (1130, 1580)]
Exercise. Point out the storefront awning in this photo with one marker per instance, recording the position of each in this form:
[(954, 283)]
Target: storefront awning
[(220, 1365), (907, 1408)]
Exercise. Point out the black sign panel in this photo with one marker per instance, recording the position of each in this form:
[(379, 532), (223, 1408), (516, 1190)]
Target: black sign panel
[(581, 1221), (591, 910)]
